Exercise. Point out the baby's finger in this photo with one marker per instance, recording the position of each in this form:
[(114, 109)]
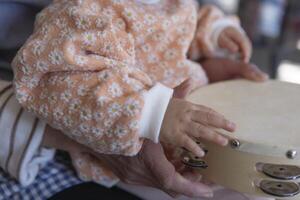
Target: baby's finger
[(200, 131), (212, 118), (246, 50), (189, 144), (227, 43), (243, 43), (183, 89)]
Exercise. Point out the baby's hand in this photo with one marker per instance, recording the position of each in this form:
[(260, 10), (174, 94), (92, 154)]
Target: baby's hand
[(184, 121), (235, 41), (185, 88)]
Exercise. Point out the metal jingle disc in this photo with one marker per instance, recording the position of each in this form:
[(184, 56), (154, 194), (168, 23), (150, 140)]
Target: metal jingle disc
[(282, 172), (193, 161), (279, 189)]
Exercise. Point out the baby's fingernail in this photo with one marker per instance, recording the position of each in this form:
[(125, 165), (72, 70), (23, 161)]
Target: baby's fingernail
[(231, 125), (201, 154)]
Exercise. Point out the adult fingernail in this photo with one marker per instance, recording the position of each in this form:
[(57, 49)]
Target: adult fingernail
[(254, 75), (265, 76), (261, 76), (209, 195)]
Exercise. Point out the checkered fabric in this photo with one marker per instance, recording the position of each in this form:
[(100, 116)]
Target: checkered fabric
[(56, 176)]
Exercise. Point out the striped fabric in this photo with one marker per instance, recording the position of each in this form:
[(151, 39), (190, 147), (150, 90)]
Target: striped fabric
[(21, 134), (23, 174)]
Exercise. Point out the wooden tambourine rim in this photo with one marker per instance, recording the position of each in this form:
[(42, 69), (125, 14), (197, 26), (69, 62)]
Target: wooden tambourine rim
[(260, 148), (266, 150)]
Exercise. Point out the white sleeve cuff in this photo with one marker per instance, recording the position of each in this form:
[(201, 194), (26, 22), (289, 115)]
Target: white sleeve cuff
[(34, 156), (217, 28), (156, 101)]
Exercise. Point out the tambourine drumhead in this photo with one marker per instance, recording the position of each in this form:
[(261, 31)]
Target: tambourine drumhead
[(265, 113)]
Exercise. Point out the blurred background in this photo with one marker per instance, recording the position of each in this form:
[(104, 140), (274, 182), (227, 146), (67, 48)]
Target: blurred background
[(274, 28), (272, 25)]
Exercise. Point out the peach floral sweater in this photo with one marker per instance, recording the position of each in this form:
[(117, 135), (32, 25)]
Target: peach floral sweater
[(102, 71)]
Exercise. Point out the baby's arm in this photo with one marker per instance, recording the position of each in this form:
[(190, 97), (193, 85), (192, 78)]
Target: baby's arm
[(85, 84), (79, 73), (218, 35)]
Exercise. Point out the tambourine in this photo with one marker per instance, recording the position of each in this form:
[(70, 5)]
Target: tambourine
[(263, 157)]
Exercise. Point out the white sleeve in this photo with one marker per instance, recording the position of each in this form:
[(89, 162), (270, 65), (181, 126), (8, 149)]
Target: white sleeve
[(156, 102), (217, 27), (21, 135)]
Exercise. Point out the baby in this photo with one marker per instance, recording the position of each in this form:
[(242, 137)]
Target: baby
[(103, 71)]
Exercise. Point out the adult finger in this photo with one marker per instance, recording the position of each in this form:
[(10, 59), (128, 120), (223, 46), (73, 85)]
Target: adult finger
[(244, 70), (192, 175), (189, 188), (252, 72), (172, 194)]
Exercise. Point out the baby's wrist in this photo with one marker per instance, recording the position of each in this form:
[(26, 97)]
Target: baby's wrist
[(156, 101)]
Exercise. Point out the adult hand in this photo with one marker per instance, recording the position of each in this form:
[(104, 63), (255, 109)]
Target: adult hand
[(220, 69), (149, 167)]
